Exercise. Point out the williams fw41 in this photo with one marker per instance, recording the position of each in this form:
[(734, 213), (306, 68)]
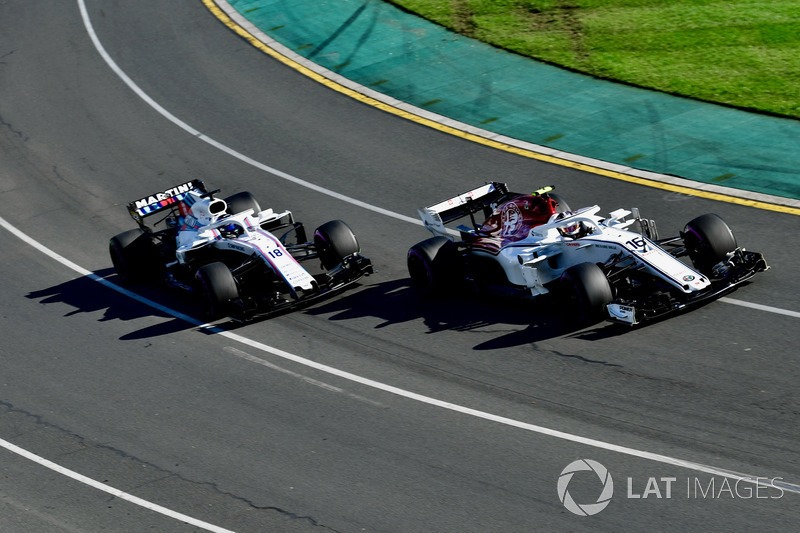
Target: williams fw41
[(243, 261), (532, 245)]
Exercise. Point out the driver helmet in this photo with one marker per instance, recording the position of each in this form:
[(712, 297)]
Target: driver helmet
[(573, 230), (208, 210), (232, 230)]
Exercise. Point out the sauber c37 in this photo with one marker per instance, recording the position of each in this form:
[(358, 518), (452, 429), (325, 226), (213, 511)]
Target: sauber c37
[(531, 245)]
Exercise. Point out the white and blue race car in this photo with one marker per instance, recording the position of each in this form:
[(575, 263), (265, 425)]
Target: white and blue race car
[(531, 245), (243, 261)]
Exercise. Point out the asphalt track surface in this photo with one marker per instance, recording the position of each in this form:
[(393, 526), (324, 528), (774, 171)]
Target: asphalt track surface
[(225, 427)]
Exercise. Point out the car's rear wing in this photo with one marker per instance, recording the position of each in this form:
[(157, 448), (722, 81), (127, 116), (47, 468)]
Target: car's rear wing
[(163, 200), (482, 198)]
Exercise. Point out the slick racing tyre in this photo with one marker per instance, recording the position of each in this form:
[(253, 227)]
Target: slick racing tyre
[(587, 292), (561, 204), (433, 265), (242, 201), (708, 239), (135, 257), (217, 287), (334, 241)]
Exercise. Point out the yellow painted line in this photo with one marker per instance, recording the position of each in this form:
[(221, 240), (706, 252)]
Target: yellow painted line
[(236, 28)]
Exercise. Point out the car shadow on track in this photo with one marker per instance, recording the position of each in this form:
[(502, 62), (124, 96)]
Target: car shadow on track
[(85, 295), (397, 302), (394, 302)]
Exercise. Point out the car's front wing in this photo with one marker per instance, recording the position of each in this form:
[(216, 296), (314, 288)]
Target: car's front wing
[(351, 269), (726, 276)]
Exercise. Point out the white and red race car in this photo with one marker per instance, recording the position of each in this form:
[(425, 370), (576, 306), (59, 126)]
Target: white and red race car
[(243, 261), (531, 245)]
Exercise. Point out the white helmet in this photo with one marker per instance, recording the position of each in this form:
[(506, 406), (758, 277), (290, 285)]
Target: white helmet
[(573, 230), (208, 210)]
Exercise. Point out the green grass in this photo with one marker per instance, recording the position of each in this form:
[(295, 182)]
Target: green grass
[(743, 53)]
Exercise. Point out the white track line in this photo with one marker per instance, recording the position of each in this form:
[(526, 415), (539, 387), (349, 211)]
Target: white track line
[(111, 490), (757, 480), (278, 173), (218, 145), (767, 308)]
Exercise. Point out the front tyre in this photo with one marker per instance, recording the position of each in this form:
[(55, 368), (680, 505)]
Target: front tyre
[(587, 292), (708, 240), (433, 265), (334, 241), (218, 288)]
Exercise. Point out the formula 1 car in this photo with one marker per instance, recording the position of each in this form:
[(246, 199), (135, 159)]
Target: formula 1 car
[(242, 261), (532, 244)]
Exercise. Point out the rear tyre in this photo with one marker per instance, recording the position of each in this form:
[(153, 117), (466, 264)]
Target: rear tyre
[(242, 201), (218, 288), (433, 265), (135, 257), (708, 239), (334, 241), (561, 204), (587, 290)]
